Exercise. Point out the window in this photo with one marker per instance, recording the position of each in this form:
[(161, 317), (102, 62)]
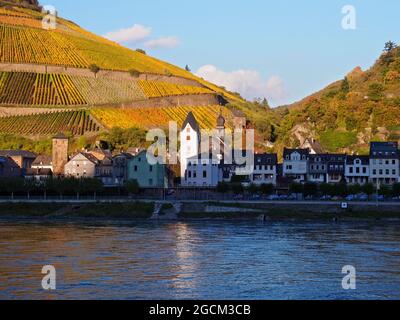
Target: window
[(351, 169), (135, 168), (204, 174), (188, 138), (151, 168), (190, 174)]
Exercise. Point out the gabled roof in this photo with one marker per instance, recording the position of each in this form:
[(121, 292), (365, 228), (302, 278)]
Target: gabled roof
[(17, 153), (88, 156), (364, 159), (302, 152), (191, 120), (313, 145), (265, 159), (8, 161), (42, 160)]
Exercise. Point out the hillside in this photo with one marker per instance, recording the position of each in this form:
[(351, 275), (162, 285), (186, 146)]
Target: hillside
[(84, 80), (348, 114)]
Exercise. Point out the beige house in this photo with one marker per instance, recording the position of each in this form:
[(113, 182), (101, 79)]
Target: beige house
[(81, 165)]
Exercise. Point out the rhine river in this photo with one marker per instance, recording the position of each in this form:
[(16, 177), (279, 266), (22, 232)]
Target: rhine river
[(199, 260)]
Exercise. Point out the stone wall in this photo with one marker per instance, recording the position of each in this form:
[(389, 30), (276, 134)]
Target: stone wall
[(37, 68)]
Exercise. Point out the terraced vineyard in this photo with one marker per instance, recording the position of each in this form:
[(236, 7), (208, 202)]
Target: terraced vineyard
[(154, 89), (108, 91), (75, 122), (158, 117), (23, 88), (22, 40)]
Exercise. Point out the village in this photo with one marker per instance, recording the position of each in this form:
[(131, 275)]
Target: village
[(306, 170)]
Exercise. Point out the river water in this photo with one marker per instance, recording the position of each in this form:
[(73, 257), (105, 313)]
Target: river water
[(199, 260)]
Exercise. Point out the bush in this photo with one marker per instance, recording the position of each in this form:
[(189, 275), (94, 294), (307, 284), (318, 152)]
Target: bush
[(134, 73), (132, 186), (141, 51), (267, 188), (222, 187), (94, 68)]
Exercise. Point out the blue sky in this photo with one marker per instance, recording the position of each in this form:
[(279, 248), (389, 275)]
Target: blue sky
[(283, 49)]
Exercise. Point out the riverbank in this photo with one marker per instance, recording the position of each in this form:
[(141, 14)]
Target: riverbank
[(194, 210)]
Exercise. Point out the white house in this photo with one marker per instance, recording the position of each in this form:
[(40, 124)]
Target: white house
[(81, 165), (295, 163), (190, 142), (357, 169), (384, 163), (202, 171)]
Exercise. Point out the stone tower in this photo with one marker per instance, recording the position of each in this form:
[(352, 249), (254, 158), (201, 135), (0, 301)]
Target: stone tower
[(60, 153)]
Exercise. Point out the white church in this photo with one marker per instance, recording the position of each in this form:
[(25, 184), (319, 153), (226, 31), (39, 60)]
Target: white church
[(199, 169)]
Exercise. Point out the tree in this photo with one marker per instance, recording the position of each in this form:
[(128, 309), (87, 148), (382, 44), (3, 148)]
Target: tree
[(12, 185), (326, 189), (187, 68), (385, 190), (222, 187), (267, 188), (237, 188), (94, 186), (310, 189), (375, 91), (29, 186), (354, 189), (253, 188), (94, 68), (132, 186), (296, 188), (389, 46), (368, 189), (345, 87), (141, 51), (396, 190)]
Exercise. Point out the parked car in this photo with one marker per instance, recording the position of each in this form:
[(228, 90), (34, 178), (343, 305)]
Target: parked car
[(283, 197), (362, 197), (255, 197), (351, 197), (326, 198), (273, 197), (292, 197)]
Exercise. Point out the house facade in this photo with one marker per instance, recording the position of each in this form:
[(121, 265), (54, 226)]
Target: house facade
[(357, 170), (317, 168), (22, 158), (265, 169), (81, 165), (384, 163), (336, 168), (202, 171), (147, 175), (295, 163)]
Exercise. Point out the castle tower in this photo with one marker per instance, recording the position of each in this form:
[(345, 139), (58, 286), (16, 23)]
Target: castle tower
[(60, 153), (190, 142)]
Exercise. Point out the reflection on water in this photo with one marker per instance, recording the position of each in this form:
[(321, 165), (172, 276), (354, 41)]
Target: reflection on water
[(200, 260)]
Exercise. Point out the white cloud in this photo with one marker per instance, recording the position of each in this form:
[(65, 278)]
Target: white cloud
[(166, 42), (135, 33), (248, 83)]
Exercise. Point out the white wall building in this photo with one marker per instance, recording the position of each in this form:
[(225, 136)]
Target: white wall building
[(384, 163), (202, 171), (265, 169), (357, 169), (190, 142), (295, 162)]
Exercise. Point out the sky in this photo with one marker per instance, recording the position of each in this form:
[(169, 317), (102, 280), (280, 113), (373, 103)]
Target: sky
[(282, 50)]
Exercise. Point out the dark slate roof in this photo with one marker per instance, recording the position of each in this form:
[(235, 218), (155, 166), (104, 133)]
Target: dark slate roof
[(318, 158), (10, 162), (17, 153), (38, 172), (265, 159), (191, 120), (302, 152), (364, 159), (43, 160), (384, 150), (60, 135)]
